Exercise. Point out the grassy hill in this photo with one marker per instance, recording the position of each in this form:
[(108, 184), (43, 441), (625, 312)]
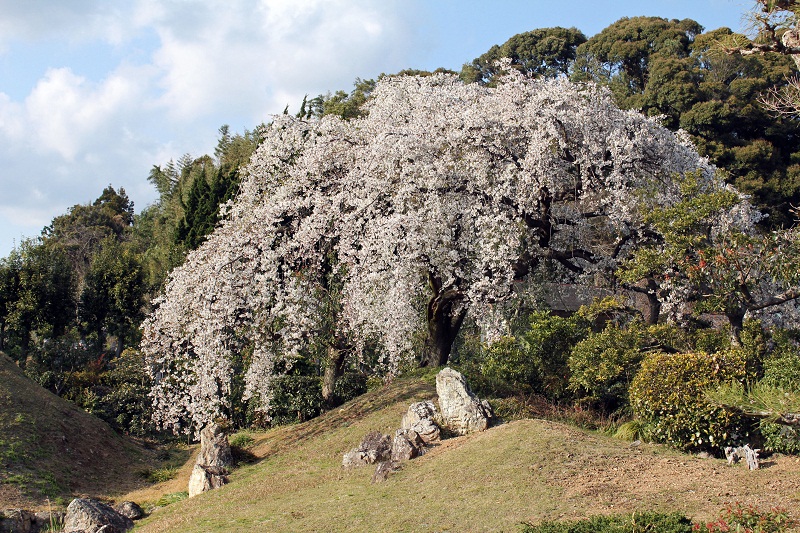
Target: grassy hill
[(51, 449), (527, 470)]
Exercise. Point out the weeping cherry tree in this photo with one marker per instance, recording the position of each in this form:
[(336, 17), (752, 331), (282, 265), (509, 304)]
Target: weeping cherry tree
[(362, 234)]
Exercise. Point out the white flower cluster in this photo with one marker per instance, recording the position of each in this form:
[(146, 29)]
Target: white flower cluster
[(466, 185)]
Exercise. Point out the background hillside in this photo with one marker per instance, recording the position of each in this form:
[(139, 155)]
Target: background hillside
[(50, 448)]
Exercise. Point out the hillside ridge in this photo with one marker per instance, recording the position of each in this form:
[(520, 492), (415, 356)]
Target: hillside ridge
[(50, 449)]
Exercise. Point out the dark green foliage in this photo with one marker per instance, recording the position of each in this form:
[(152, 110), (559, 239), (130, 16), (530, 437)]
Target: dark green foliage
[(782, 370), (547, 52), (603, 365), (53, 362), (669, 68), (349, 385), (647, 521), (548, 343), (112, 299), (123, 401), (296, 398), (668, 395)]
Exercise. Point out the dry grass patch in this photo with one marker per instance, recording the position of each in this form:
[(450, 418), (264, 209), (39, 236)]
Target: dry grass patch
[(524, 471)]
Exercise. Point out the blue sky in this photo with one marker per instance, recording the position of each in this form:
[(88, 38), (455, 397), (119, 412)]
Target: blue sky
[(96, 92)]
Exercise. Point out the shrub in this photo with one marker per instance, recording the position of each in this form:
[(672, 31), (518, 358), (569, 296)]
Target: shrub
[(782, 371), (603, 365), (296, 398), (349, 385), (547, 345), (627, 523), (748, 519), (668, 394)]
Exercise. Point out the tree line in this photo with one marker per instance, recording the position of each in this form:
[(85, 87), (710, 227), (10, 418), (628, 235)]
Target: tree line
[(291, 311)]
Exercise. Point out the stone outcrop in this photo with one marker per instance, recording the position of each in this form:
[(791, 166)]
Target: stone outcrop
[(130, 510), (92, 516), (17, 520), (421, 418), (213, 462), (383, 470), (22, 521), (407, 444), (374, 448), (461, 411)]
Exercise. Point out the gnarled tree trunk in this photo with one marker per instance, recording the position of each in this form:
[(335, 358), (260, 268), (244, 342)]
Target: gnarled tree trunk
[(445, 316), (334, 369)]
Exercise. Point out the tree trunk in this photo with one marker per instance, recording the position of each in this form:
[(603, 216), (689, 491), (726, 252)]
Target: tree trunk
[(444, 321), (736, 321), (333, 371), (653, 303)]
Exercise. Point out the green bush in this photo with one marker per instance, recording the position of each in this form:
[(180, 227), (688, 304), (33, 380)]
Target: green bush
[(602, 365), (668, 394), (627, 523), (782, 371), (349, 385), (296, 398), (547, 345)]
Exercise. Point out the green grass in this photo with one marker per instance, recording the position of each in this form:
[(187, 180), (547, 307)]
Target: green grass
[(526, 471), (50, 448)]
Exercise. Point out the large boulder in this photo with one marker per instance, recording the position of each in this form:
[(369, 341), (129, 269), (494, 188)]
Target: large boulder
[(130, 509), (214, 448), (374, 448), (461, 411), (17, 521), (213, 462), (421, 418), (92, 516), (407, 444)]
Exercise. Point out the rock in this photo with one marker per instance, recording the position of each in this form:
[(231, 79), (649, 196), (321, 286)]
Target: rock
[(421, 417), (92, 516), (130, 510), (736, 454), (48, 520), (17, 521), (462, 411), (211, 468), (205, 478), (406, 445), (374, 448), (383, 470), (214, 448)]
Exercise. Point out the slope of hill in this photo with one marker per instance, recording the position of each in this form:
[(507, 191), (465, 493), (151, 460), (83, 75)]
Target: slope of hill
[(527, 470), (51, 449)]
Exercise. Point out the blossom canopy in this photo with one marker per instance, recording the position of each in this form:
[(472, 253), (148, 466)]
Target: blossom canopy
[(424, 211)]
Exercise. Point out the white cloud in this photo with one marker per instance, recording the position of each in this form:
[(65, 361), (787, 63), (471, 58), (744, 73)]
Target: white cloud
[(202, 64), (236, 54)]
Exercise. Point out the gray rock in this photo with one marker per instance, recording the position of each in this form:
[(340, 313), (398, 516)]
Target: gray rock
[(383, 470), (211, 468), (421, 417), (49, 520), (374, 448), (214, 448), (462, 412), (406, 445), (130, 510), (92, 516), (17, 521), (205, 478)]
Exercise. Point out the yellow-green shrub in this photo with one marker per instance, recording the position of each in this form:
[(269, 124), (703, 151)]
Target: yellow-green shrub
[(668, 394)]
